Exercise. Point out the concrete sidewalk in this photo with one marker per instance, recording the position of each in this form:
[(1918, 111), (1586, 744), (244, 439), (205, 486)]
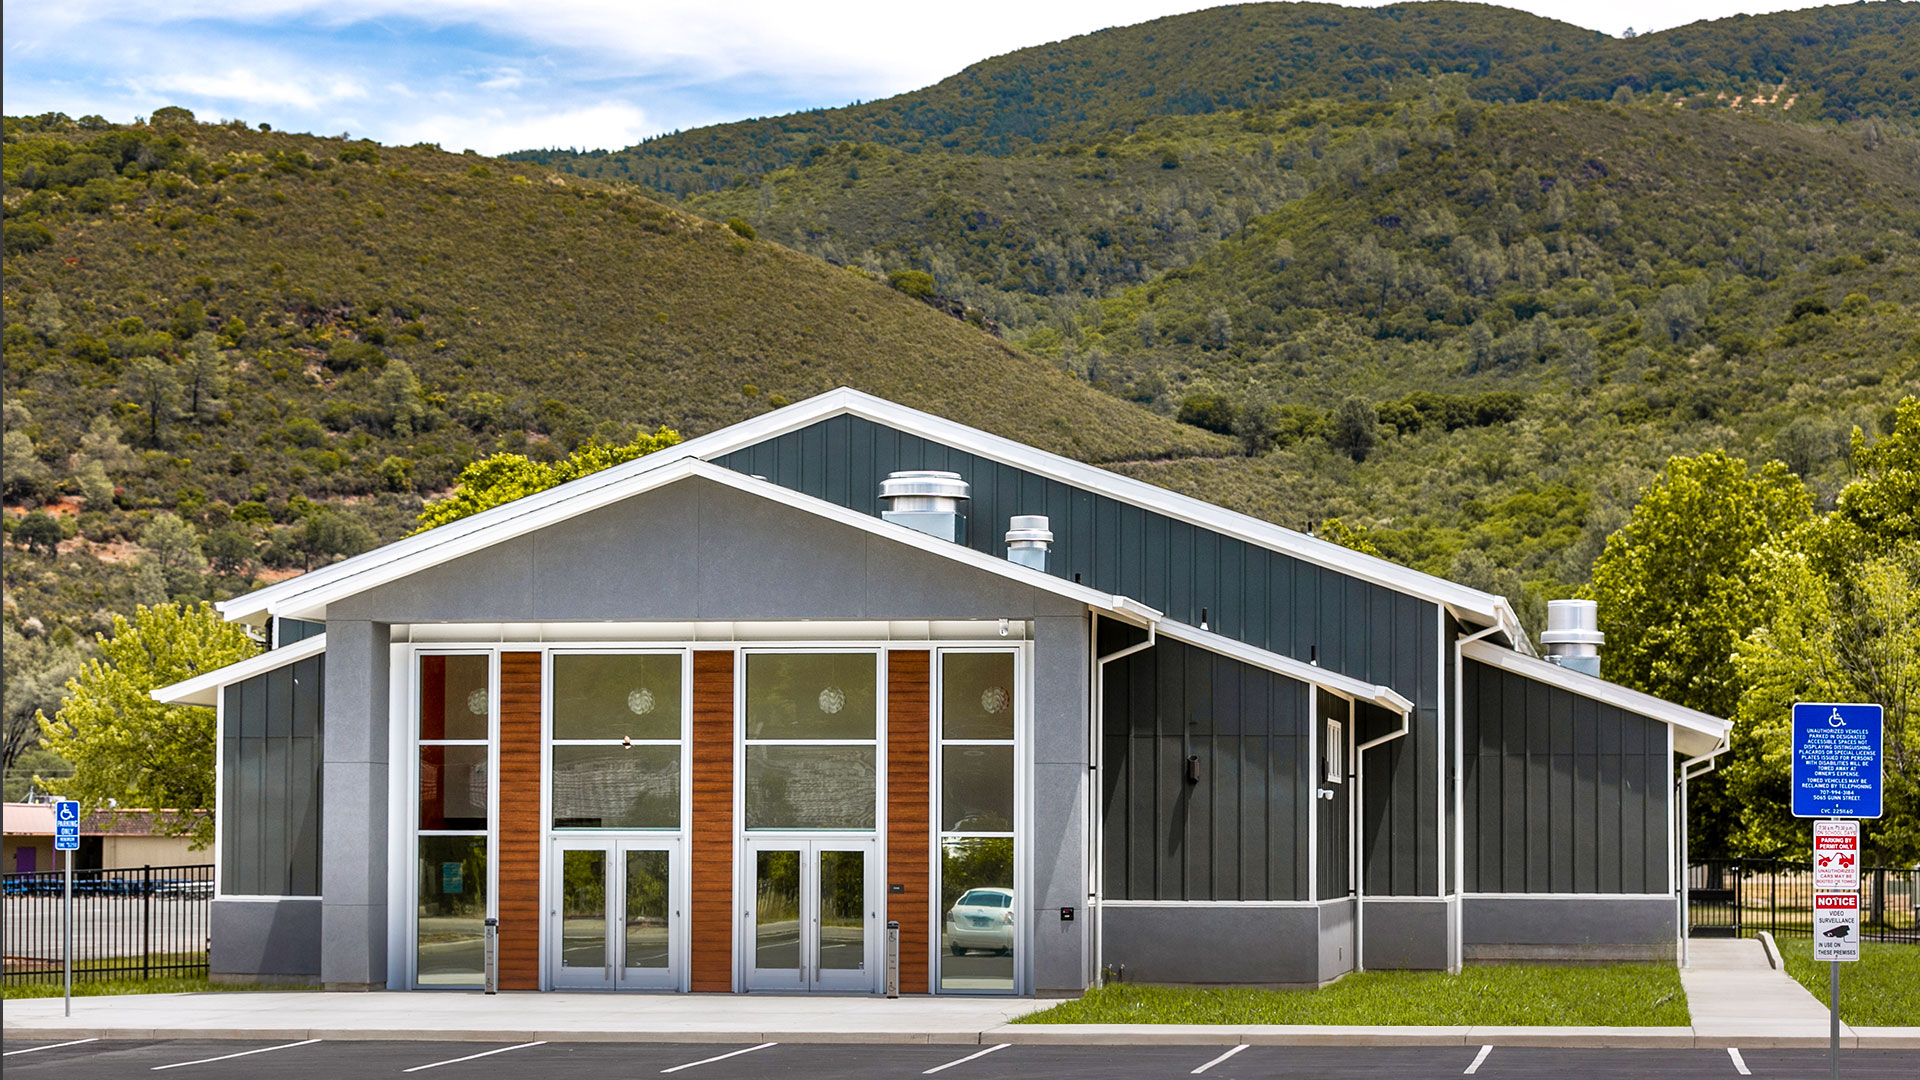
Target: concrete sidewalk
[(1738, 998), (754, 1018)]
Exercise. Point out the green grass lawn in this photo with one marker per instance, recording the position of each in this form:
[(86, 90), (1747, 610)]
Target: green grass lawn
[(1617, 995), (198, 984), (1881, 990)]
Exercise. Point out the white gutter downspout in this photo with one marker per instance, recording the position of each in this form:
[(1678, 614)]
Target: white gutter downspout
[(1359, 836), (1458, 959), (1096, 732), (1690, 769)]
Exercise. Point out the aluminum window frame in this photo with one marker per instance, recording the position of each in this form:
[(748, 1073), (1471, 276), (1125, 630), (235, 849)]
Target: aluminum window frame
[(409, 684), (938, 835)]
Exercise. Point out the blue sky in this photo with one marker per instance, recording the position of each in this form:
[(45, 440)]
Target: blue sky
[(500, 75)]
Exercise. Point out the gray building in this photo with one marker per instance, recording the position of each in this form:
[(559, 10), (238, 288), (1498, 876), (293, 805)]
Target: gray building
[(711, 719)]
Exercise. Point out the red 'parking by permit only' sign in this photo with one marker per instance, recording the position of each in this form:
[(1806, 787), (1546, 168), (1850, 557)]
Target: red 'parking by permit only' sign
[(1836, 926), (1836, 856)]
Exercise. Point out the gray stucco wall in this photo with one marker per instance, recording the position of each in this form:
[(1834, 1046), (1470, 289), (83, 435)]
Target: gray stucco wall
[(1573, 928), (265, 940), (1250, 945), (353, 830), (1405, 934), (700, 550), (1337, 952)]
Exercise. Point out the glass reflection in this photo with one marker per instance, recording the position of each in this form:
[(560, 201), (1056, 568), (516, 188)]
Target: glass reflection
[(843, 904), (810, 787), (776, 916), (811, 695), (616, 787), (648, 888), (976, 696), (976, 788), (613, 696), (453, 788), (450, 943), (453, 697), (583, 909), (978, 921)]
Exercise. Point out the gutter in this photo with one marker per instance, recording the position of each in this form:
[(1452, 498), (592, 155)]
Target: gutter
[(1096, 827), (1458, 954)]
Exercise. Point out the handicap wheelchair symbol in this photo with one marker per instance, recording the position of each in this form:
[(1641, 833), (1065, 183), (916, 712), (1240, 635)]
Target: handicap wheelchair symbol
[(68, 812), (1836, 720)]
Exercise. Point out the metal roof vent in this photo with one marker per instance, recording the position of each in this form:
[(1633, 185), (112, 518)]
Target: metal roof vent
[(927, 501), (1573, 636), (1029, 540)]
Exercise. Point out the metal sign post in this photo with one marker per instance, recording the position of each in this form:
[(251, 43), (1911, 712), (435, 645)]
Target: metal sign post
[(1836, 774), (66, 837)]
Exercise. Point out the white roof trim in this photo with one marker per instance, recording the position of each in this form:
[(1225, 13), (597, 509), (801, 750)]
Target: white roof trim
[(1694, 732), (1299, 670), (313, 602), (542, 508), (204, 689)]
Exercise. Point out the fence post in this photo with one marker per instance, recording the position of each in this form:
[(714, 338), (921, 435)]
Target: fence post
[(146, 921)]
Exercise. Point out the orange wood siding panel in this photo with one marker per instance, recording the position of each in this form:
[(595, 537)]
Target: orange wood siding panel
[(909, 772), (519, 869), (711, 861)]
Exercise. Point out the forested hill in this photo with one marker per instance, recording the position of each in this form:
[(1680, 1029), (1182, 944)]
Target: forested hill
[(1831, 62)]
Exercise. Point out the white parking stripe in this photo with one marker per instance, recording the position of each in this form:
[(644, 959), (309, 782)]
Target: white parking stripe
[(470, 1057), (49, 1046), (1218, 1060), (241, 1054), (1477, 1059), (722, 1057), (964, 1060), (1739, 1063)]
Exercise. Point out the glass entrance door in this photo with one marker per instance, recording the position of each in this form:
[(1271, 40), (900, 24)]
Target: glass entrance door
[(616, 916), (810, 915)]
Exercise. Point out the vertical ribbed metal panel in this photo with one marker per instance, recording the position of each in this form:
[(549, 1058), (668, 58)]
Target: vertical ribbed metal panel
[(270, 760), (1563, 794), (1239, 832), (1334, 834), (1253, 594)]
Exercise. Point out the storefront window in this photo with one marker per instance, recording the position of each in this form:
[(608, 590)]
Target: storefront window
[(616, 757), (812, 750), (456, 708), (979, 911)]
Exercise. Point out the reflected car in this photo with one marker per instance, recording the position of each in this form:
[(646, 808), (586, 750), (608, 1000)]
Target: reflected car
[(981, 919)]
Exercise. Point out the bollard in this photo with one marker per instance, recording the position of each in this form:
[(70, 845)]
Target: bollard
[(492, 961), (893, 959)]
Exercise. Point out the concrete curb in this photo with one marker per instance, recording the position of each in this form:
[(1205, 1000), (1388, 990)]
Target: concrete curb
[(1902, 1038)]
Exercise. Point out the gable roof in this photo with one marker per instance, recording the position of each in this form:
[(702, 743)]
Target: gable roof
[(204, 688), (297, 595), (1694, 732)]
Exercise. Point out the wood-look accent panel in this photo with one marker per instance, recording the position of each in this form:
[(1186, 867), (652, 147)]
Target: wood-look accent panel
[(519, 870), (711, 860), (909, 772)]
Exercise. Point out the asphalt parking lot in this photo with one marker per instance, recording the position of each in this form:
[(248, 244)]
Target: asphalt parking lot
[(313, 1060)]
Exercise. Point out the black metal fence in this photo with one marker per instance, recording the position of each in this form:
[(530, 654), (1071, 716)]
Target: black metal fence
[(127, 924), (1741, 897)]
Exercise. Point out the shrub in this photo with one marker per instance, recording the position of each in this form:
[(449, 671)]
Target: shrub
[(1209, 410), (26, 237), (740, 226), (915, 283)]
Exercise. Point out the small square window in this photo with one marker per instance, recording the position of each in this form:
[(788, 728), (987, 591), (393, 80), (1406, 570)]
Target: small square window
[(1332, 755)]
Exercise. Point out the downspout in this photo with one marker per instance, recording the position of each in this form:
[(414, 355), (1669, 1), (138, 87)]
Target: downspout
[(1096, 825), (1690, 768), (1458, 959), (1359, 836)]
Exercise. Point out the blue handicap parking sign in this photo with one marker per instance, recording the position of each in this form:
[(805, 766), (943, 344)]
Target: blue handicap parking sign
[(66, 812), (1836, 760), (66, 837)]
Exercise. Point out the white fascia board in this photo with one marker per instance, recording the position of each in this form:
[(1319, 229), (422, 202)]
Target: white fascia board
[(532, 511), (1694, 732), (1298, 670), (204, 689), (313, 603)]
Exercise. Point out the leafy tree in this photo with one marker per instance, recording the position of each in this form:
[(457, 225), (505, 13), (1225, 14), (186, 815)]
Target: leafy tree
[(915, 283), (104, 443), (397, 403), (174, 548), (23, 473), (127, 747), (324, 534), (1675, 600), (36, 668), (38, 532), (1354, 428), (503, 478), (155, 388), (230, 552), (1348, 536), (204, 375)]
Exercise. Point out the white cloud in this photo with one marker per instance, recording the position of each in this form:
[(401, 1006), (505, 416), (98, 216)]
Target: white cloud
[(497, 130), (246, 87)]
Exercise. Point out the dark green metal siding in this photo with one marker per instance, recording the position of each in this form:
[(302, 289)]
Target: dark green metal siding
[(1563, 794), (1334, 854), (269, 809), (1246, 592), (1239, 831)]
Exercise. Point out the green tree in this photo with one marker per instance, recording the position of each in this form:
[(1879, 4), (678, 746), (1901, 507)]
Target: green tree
[(1675, 600), (397, 404), (155, 388), (174, 548), (204, 375), (36, 668), (129, 748), (1354, 428), (38, 532), (503, 478), (22, 473)]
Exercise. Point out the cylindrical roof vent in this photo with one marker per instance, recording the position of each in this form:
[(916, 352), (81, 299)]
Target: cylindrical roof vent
[(927, 501), (1573, 636), (1028, 540)]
